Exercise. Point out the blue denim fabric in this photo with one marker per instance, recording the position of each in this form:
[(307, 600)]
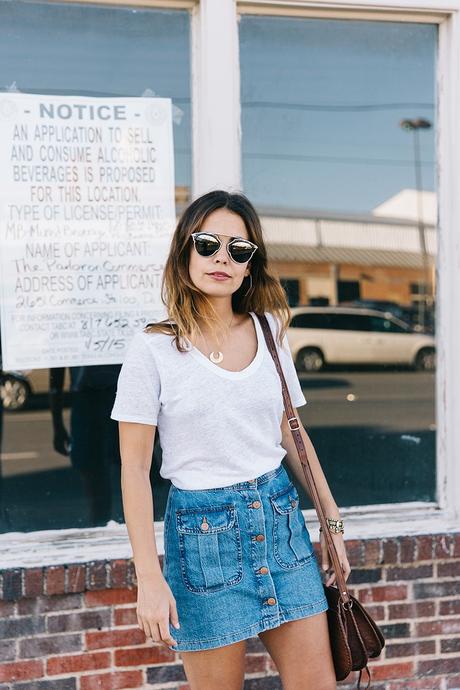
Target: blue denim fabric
[(216, 542)]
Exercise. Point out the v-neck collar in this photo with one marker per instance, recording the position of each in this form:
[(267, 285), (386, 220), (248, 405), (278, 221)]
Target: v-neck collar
[(226, 373)]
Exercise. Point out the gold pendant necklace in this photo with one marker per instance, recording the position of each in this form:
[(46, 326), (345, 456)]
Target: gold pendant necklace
[(218, 356)]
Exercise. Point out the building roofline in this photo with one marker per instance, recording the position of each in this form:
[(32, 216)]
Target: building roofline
[(321, 214)]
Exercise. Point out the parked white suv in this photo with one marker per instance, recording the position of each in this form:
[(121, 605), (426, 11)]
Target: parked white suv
[(347, 335)]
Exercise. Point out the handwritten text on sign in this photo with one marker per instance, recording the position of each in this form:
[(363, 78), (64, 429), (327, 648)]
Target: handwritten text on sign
[(86, 216)]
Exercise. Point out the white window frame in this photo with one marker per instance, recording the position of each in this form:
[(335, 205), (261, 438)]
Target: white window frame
[(216, 145)]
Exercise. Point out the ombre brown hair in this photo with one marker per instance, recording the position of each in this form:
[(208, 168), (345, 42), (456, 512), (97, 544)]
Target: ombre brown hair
[(186, 304)]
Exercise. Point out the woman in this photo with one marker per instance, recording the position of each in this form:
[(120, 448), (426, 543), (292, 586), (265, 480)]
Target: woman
[(238, 557)]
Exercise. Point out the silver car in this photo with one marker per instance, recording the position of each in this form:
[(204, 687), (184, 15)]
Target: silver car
[(18, 387), (347, 335)]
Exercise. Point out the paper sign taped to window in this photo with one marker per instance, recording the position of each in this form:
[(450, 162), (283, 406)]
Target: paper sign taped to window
[(86, 218)]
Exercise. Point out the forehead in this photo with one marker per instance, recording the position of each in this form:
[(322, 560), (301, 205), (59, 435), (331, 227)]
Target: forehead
[(225, 223), (220, 234)]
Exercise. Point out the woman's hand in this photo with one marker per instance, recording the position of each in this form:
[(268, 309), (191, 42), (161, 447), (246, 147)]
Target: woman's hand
[(156, 605), (341, 553)]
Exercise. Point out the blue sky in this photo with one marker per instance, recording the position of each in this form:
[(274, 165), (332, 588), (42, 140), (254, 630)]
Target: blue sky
[(321, 106)]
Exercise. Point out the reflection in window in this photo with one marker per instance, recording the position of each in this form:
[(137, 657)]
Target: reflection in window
[(61, 468), (386, 325), (339, 157)]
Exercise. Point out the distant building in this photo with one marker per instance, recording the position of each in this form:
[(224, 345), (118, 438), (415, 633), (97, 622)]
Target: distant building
[(336, 258)]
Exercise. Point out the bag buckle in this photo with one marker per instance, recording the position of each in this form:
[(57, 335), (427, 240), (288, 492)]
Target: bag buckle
[(347, 604), (296, 421)]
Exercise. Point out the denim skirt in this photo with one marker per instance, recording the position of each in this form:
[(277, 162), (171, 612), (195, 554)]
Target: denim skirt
[(239, 560)]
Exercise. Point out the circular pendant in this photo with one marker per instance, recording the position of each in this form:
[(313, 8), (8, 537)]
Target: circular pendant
[(216, 358)]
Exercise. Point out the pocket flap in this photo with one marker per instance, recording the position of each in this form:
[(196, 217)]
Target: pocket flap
[(206, 520), (286, 500)]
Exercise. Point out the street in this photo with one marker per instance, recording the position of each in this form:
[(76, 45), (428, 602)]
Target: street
[(374, 432)]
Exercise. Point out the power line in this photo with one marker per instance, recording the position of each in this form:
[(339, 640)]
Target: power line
[(336, 108), (335, 159)]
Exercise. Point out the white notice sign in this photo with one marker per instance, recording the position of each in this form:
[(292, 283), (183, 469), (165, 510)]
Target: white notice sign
[(86, 217)]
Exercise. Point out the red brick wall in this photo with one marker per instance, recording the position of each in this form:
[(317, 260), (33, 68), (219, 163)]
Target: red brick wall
[(74, 627)]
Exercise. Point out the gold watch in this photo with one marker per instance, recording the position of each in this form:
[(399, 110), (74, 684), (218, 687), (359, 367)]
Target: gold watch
[(335, 526)]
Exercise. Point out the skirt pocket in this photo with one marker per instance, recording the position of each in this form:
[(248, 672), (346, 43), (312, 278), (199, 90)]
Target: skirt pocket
[(210, 550), (292, 545)]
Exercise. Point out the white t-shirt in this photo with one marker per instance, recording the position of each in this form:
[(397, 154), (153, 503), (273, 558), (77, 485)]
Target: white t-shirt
[(216, 427)]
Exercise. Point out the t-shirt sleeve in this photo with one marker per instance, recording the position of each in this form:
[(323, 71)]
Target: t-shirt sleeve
[(288, 366), (138, 385)]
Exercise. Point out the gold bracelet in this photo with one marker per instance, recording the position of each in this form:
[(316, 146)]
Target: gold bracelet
[(335, 526)]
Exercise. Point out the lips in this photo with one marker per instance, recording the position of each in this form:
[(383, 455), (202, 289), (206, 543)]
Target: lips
[(218, 274)]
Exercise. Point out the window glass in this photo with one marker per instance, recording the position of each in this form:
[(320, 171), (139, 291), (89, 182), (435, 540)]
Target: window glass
[(386, 325), (339, 157), (352, 322), (310, 321), (291, 287), (59, 451)]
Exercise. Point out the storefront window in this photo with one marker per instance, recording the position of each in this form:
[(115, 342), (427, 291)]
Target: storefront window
[(59, 448), (339, 157)]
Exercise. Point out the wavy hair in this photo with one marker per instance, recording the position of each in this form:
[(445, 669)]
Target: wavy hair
[(185, 303)]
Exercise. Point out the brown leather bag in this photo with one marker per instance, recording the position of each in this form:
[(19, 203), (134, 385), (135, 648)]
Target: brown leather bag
[(354, 636)]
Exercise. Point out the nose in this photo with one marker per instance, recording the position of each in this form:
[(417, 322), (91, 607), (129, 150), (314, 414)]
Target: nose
[(222, 254)]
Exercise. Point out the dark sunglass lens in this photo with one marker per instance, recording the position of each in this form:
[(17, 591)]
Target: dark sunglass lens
[(206, 245), (241, 251)]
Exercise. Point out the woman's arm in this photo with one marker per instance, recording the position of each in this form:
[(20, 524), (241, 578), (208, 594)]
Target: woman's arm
[(136, 448), (156, 603), (327, 500)]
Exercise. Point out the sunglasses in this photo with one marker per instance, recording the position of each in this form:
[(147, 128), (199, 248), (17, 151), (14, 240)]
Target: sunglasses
[(238, 249)]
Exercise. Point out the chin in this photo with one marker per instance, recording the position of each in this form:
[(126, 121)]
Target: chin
[(217, 293)]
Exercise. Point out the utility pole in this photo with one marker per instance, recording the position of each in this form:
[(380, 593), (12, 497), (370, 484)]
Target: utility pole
[(415, 126)]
